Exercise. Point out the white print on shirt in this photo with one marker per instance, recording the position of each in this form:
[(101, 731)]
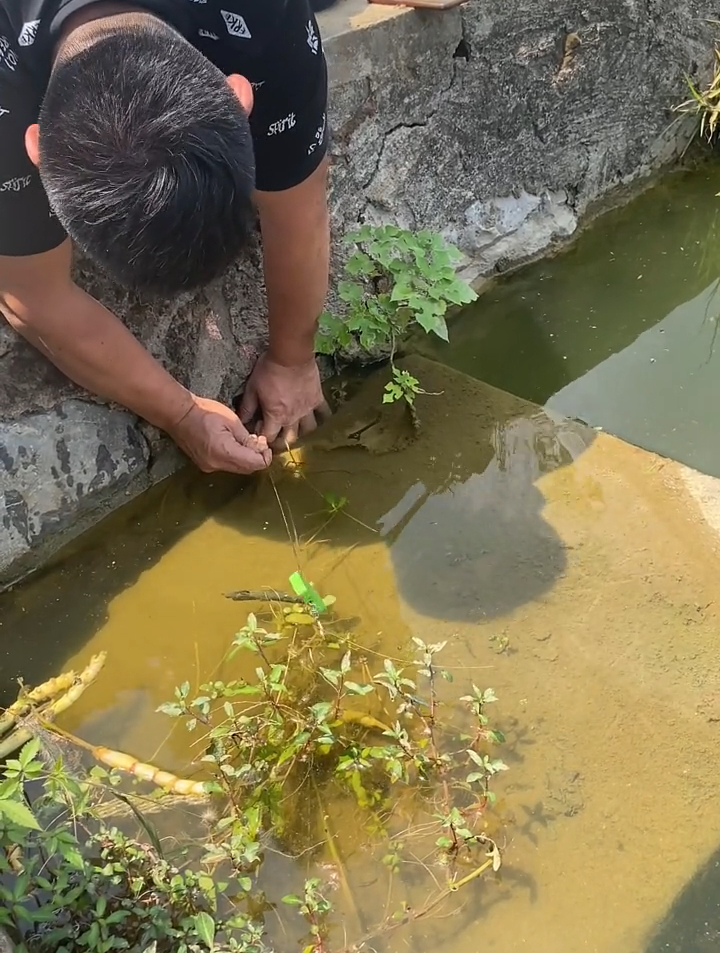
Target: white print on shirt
[(28, 33), (312, 38), (198, 1), (209, 35), (319, 136), (4, 112), (8, 57), (236, 25), (258, 85), (17, 184), (282, 125)]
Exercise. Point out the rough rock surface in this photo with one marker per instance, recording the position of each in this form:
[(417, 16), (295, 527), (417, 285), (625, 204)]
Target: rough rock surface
[(496, 123)]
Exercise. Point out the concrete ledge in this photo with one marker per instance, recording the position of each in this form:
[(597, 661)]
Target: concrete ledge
[(496, 123)]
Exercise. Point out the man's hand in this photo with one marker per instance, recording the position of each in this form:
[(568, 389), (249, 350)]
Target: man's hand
[(285, 398), (212, 435), (94, 349)]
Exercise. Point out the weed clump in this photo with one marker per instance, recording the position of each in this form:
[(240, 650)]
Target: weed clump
[(704, 104), (395, 281), (311, 726)]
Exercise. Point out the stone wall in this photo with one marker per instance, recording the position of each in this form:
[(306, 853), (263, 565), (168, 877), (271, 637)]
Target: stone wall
[(497, 123)]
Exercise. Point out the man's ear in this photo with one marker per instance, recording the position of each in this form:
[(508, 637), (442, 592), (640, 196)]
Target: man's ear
[(243, 90), (32, 143)]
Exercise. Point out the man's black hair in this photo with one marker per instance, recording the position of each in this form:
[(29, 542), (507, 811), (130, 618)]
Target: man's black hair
[(147, 159)]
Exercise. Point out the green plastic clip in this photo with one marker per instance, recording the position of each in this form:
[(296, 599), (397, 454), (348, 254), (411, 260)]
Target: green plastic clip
[(310, 596)]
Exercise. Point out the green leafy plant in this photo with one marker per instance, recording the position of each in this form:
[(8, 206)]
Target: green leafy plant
[(316, 910), (403, 386), (395, 280), (71, 882), (312, 726), (315, 724)]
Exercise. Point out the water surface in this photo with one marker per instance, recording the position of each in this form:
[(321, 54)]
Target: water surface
[(620, 330), (571, 572)]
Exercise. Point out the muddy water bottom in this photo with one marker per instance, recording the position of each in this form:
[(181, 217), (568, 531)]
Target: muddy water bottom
[(572, 573)]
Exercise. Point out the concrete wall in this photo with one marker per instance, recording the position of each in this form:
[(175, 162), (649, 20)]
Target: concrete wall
[(497, 123)]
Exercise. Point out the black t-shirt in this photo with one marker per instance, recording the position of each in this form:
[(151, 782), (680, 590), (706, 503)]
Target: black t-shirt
[(275, 44)]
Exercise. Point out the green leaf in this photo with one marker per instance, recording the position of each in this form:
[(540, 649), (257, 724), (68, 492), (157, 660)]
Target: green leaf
[(360, 264), (19, 815), (460, 293), (392, 393), (205, 929), (350, 292), (292, 901), (440, 328), (429, 320), (29, 752), (356, 689)]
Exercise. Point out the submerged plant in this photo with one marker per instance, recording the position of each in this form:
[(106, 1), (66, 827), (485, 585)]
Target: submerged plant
[(313, 726), (396, 280)]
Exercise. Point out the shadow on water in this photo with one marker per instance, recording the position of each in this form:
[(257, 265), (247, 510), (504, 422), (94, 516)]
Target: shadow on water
[(693, 922), (459, 513)]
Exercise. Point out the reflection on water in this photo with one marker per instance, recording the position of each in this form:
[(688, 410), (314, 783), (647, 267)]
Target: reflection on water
[(621, 329), (565, 569)]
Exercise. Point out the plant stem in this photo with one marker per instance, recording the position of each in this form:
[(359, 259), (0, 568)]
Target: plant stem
[(257, 595), (412, 916)]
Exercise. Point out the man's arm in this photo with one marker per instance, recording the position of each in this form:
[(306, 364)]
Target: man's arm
[(94, 349), (296, 248), (285, 385)]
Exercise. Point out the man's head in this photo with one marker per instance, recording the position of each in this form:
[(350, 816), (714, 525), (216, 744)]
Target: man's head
[(145, 153)]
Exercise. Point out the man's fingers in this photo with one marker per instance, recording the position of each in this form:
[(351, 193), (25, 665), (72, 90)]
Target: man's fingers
[(259, 445), (287, 437), (307, 425), (244, 461), (271, 427), (248, 451), (323, 412), (249, 405)]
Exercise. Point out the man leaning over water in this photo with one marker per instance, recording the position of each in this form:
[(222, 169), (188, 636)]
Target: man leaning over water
[(147, 134)]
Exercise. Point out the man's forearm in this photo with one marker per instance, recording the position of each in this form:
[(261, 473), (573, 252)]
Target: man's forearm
[(296, 248), (94, 349)]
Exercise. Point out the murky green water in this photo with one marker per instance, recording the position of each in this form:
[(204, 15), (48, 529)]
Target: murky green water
[(620, 330), (565, 569)]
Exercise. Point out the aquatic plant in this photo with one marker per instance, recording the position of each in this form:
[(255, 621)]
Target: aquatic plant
[(395, 280), (704, 104), (312, 727), (71, 882)]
